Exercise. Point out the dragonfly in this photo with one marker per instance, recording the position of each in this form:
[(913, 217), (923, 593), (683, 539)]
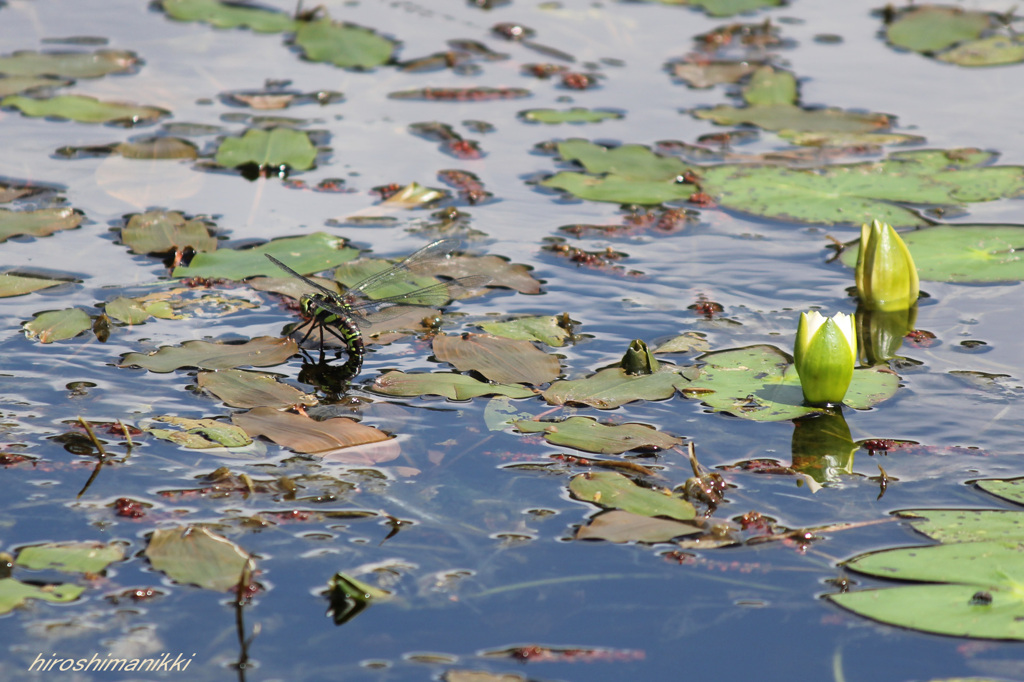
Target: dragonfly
[(346, 315)]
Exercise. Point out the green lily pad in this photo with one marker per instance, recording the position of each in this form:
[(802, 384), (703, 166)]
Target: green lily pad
[(931, 28), (136, 310), (612, 387), (84, 109), (68, 64), (573, 115), (687, 342), (1011, 489), (18, 285), (790, 118), (58, 325), (584, 433), (70, 557), (991, 51), (306, 435), (230, 15), (962, 253), (967, 525), (264, 351), (14, 593), (980, 594), (725, 8), (344, 45), (268, 149), (197, 556), (13, 85), (239, 388), (310, 253), (451, 386), (861, 192), (548, 329), (160, 232), (841, 139), (201, 434), (760, 383), (623, 526), (41, 223), (615, 491), (504, 361)]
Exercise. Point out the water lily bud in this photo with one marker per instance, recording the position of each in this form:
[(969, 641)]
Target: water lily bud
[(639, 359), (886, 275), (825, 354)]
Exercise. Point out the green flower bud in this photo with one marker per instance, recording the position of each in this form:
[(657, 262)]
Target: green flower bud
[(886, 275), (825, 354)]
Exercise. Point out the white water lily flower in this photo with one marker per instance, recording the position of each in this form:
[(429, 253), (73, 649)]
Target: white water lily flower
[(825, 354)]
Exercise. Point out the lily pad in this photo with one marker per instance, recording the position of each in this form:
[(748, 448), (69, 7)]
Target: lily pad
[(272, 148), (309, 436), (152, 148), (548, 329), (612, 387), (623, 526), (68, 64), (197, 556), (160, 232), (264, 351), (703, 74), (71, 557), (967, 525), (615, 491), (136, 311), (310, 253), (230, 15), (760, 383), (451, 386), (991, 51), (239, 388), (13, 85), (573, 115), (14, 593), (687, 342), (931, 28), (18, 285), (58, 325), (201, 434), (725, 8), (84, 109), (962, 253), (979, 594), (584, 433), (344, 45), (40, 223), (505, 361), (1011, 489)]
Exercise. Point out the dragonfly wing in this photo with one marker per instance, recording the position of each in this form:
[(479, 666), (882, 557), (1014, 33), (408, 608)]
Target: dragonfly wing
[(333, 295), (431, 253)]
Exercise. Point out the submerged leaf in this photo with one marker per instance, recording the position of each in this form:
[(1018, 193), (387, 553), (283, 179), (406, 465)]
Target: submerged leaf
[(624, 526), (264, 351), (84, 109), (201, 434), (451, 386), (306, 435), (240, 388), (14, 593), (505, 361), (584, 433), (197, 556), (615, 491)]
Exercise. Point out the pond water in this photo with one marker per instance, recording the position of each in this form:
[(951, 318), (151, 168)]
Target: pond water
[(466, 520)]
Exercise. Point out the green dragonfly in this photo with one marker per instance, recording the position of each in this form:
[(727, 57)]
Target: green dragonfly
[(346, 315)]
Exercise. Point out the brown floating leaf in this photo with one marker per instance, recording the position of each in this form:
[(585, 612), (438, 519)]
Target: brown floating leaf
[(624, 526), (264, 351), (500, 272), (306, 435), (196, 556), (41, 223), (165, 231), (506, 361), (239, 388), (451, 386)]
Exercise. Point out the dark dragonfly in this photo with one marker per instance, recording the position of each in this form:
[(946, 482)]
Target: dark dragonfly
[(346, 315)]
